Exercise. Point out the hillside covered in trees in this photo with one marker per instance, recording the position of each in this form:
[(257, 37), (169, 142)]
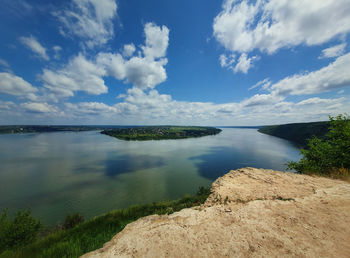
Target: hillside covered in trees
[(298, 133)]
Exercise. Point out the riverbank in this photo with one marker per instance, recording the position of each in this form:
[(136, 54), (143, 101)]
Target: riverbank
[(93, 233)]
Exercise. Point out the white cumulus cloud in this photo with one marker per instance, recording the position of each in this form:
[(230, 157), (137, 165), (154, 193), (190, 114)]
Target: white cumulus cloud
[(146, 105), (36, 107), (244, 63), (139, 107), (114, 64), (15, 85), (79, 74), (157, 40), (335, 75), (91, 108), (261, 99), (142, 71), (227, 60), (243, 26), (145, 74), (129, 50)]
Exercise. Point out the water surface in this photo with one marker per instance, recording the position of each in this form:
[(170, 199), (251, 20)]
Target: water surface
[(65, 172)]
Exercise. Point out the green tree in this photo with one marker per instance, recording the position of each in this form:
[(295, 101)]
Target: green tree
[(328, 155), (20, 231)]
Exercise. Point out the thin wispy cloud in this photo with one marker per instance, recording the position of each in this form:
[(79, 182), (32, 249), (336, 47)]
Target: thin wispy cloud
[(333, 51), (33, 44), (90, 20), (3, 63)]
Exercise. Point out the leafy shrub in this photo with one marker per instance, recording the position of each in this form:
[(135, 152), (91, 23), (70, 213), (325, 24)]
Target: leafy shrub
[(72, 220), (20, 231), (328, 155), (205, 191)]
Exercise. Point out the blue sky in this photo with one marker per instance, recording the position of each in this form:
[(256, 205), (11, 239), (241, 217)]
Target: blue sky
[(192, 62)]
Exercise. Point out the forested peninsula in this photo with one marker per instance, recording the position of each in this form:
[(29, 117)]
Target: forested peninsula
[(160, 132), (298, 133)]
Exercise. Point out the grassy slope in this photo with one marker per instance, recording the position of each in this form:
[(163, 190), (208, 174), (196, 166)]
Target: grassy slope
[(92, 234), (297, 133)]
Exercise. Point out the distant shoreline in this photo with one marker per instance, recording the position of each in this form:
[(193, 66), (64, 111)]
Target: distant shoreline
[(16, 129)]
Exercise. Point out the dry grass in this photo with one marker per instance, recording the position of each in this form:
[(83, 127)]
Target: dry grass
[(340, 173)]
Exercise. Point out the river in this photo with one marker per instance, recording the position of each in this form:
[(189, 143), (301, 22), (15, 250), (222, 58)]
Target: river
[(54, 174)]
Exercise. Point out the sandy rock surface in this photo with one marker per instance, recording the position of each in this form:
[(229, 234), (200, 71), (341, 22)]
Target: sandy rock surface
[(250, 213)]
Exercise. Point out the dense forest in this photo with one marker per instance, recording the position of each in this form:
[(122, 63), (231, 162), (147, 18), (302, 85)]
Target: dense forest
[(298, 133)]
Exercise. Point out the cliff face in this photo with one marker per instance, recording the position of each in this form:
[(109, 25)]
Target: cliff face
[(250, 212)]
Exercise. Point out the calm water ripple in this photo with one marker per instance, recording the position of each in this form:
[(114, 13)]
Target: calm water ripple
[(59, 173)]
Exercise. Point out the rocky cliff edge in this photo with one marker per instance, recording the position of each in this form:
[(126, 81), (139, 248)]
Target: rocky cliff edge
[(249, 213)]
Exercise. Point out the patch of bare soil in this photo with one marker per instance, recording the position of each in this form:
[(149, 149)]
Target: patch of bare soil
[(250, 213)]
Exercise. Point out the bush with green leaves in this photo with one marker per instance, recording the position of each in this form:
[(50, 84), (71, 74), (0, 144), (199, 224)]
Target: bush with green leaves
[(20, 231), (72, 220), (328, 155)]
